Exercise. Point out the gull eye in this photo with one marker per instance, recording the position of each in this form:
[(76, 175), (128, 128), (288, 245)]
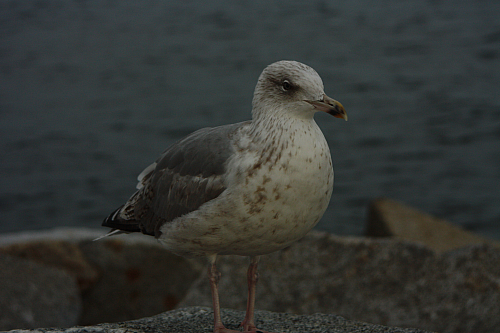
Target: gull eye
[(286, 85)]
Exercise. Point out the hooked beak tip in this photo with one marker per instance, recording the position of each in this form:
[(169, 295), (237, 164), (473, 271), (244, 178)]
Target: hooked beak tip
[(330, 106), (337, 110)]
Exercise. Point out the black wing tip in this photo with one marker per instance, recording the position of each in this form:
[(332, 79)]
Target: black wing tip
[(115, 222)]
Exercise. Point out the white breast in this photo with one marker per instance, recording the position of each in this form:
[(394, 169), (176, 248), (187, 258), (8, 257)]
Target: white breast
[(278, 187)]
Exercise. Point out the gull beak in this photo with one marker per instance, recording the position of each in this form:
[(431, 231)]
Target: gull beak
[(330, 106)]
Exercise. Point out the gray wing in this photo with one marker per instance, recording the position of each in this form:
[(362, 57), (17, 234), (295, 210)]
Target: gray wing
[(188, 174)]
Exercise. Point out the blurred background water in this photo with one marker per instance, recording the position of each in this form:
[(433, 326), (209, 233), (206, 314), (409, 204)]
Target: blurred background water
[(93, 91)]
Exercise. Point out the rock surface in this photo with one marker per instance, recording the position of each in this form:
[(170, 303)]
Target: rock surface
[(199, 319), (381, 281), (33, 295), (57, 253), (121, 278), (137, 280), (390, 218)]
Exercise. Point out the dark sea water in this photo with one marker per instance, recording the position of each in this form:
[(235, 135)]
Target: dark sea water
[(92, 92)]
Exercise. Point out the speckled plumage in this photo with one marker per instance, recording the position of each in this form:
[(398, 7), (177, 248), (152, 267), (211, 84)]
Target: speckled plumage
[(246, 189)]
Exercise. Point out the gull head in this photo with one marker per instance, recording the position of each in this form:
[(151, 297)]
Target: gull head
[(292, 89)]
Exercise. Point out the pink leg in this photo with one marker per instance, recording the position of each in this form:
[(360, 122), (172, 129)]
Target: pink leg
[(248, 323), (252, 278), (214, 277)]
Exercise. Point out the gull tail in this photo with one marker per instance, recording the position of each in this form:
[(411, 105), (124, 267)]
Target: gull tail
[(119, 224)]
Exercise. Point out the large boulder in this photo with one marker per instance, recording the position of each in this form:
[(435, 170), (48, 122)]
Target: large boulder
[(35, 295), (199, 319), (57, 253), (390, 218), (381, 281), (120, 278), (138, 279)]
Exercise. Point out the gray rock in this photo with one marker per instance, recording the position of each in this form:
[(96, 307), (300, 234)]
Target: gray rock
[(199, 319), (138, 279), (121, 277), (58, 254), (69, 234), (34, 295), (380, 281), (390, 218)]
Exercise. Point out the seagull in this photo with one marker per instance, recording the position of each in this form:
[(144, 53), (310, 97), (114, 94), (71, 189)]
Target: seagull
[(246, 189)]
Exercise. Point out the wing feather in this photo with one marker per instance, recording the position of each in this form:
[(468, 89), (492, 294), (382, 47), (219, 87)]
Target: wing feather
[(187, 175)]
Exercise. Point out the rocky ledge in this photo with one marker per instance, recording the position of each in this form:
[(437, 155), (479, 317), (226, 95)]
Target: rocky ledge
[(199, 319)]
